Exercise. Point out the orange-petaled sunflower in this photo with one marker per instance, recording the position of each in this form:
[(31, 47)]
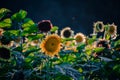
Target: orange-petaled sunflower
[(67, 32), (98, 26), (112, 30), (51, 45), (79, 37)]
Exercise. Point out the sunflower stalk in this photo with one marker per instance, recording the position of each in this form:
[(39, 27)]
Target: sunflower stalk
[(21, 38)]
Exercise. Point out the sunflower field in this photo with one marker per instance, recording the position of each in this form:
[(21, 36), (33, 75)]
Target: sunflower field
[(40, 51)]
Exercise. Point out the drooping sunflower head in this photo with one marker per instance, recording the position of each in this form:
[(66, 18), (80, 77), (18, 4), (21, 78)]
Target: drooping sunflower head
[(79, 37), (1, 32), (51, 45), (98, 26), (112, 29), (67, 32), (45, 25), (4, 53), (103, 43)]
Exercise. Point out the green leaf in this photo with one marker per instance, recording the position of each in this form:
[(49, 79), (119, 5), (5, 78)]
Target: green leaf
[(6, 23), (106, 27), (19, 15), (23, 14), (3, 12), (27, 23), (54, 29), (35, 37), (29, 58), (14, 32), (107, 37), (91, 40), (30, 50), (29, 30), (67, 39), (117, 44), (98, 49), (117, 68), (80, 70), (81, 46)]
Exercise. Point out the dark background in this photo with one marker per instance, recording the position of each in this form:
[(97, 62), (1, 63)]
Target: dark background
[(77, 14)]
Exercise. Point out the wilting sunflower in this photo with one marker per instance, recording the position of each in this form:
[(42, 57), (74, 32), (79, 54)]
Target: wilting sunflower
[(45, 25), (51, 45), (4, 53), (103, 43), (79, 37), (112, 29), (1, 32), (67, 32), (98, 26)]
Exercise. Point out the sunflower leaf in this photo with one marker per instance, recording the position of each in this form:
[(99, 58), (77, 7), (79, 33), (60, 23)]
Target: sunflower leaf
[(6, 23), (27, 23), (99, 49), (35, 37), (54, 29), (19, 15), (67, 39), (3, 12)]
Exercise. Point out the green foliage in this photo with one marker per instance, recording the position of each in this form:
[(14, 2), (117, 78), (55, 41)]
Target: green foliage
[(6, 23), (55, 28), (19, 15), (3, 12)]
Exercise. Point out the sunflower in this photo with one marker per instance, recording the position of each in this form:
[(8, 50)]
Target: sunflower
[(112, 30), (98, 26), (80, 37), (51, 45), (45, 25), (1, 32), (67, 32), (103, 43), (4, 53)]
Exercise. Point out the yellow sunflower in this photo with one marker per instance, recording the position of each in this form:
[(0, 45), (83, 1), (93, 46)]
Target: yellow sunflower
[(67, 32), (79, 37), (112, 29), (51, 45), (98, 26)]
